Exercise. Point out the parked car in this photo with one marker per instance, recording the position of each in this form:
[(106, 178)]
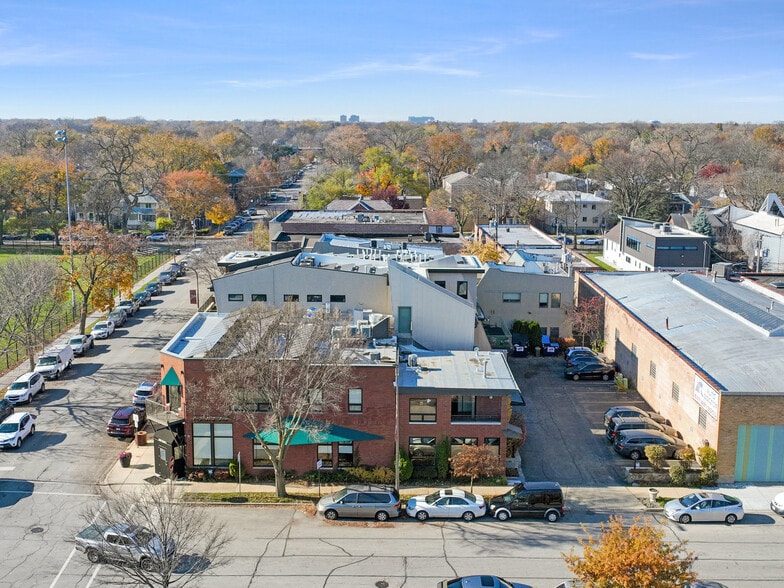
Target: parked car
[(43, 237), (165, 278), (579, 358), (154, 288), (143, 297), (480, 582), (53, 362), (632, 443), (118, 316), (25, 387), (705, 584), (125, 543), (177, 270), (81, 343), (626, 410), (361, 500), (564, 239), (6, 409), (529, 499), (575, 351), (13, 237), (103, 329), (129, 305), (144, 391), (777, 504), (122, 423), (157, 237), (619, 424), (584, 371), (591, 241), (448, 503), (704, 506), (15, 429)]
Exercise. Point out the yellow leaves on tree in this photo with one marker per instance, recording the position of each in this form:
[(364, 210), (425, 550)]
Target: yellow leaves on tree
[(475, 462), (486, 252), (188, 194), (222, 211), (102, 263), (630, 557)]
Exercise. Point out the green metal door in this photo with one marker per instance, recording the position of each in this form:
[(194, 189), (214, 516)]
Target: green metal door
[(760, 454)]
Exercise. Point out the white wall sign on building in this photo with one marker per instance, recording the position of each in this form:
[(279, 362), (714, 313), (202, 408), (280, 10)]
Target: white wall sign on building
[(706, 397)]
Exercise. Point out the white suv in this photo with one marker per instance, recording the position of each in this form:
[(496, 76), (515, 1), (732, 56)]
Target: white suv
[(144, 391), (25, 387)]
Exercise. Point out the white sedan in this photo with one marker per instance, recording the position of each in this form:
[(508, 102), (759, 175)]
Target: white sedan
[(81, 343), (103, 329), (590, 241), (704, 506), (451, 503)]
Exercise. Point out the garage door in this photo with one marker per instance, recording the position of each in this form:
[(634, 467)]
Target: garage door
[(760, 455)]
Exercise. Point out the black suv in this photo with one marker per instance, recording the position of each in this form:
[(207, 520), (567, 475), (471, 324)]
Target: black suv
[(6, 409), (529, 499)]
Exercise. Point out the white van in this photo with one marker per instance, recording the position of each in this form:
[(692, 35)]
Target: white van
[(54, 362)]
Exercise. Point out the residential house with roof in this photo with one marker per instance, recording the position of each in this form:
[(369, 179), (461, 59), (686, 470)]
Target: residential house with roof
[(762, 235), (642, 245), (358, 204), (677, 338), (464, 396), (574, 212)]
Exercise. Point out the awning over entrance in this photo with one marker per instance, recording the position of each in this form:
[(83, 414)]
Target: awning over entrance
[(171, 379), (512, 431), (312, 432)]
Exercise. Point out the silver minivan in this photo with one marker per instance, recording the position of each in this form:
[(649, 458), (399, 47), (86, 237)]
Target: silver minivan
[(361, 500)]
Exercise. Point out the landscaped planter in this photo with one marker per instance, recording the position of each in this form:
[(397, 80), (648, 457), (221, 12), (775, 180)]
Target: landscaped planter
[(649, 477)]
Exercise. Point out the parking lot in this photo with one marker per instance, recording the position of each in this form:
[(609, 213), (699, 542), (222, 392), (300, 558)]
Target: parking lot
[(565, 439)]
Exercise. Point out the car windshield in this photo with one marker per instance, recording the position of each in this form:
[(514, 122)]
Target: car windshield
[(431, 498), (690, 499), (47, 361), (339, 494), (9, 427), (99, 326), (143, 392), (116, 421), (76, 341), (143, 537), (18, 386)]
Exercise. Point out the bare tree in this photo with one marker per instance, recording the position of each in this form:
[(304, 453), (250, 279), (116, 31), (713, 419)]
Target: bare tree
[(273, 370), (636, 191), (29, 290), (198, 538)]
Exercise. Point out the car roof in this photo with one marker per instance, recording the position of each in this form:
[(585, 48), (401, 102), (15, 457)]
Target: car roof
[(25, 377), (147, 385), (125, 412), (633, 420), (632, 433), (15, 417)]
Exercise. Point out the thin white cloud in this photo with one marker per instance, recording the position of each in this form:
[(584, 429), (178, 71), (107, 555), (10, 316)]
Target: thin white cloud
[(546, 94), (659, 56), (732, 79), (360, 70)]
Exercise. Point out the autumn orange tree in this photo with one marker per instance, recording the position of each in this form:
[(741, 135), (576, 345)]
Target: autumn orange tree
[(189, 194), (102, 262), (586, 318), (476, 462), (630, 557)]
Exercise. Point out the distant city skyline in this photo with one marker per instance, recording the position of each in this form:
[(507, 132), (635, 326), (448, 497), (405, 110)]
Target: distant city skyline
[(501, 60)]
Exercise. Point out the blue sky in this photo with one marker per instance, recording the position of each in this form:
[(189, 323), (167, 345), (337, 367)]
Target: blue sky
[(490, 60)]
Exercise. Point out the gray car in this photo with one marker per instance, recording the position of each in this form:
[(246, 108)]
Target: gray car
[(632, 443), (361, 501), (618, 424)]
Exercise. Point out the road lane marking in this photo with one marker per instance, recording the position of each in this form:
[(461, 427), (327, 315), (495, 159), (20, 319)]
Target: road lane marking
[(70, 555)]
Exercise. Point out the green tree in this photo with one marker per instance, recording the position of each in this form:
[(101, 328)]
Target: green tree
[(630, 557), (701, 224)]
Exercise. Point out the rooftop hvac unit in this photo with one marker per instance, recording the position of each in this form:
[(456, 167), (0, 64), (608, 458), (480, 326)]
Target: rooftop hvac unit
[(375, 356), (666, 228)]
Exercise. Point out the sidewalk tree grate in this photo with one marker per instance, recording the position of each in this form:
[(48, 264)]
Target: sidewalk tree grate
[(155, 480)]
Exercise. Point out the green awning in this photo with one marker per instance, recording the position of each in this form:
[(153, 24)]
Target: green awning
[(313, 432), (171, 379)]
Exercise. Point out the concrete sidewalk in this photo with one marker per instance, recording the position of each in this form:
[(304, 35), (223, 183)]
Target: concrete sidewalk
[(625, 500)]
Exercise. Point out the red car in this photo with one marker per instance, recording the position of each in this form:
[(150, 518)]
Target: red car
[(122, 423)]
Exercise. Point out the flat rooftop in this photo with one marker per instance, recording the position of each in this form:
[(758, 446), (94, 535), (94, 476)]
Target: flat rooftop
[(733, 330)]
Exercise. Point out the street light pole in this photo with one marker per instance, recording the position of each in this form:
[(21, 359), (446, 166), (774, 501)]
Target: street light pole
[(61, 136)]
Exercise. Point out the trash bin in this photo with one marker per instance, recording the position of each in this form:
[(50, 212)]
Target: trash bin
[(538, 351), (141, 438)]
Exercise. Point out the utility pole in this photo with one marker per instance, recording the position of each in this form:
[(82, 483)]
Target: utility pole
[(61, 136)]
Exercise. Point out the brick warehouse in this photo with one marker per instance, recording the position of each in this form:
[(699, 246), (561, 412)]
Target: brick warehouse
[(707, 354)]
